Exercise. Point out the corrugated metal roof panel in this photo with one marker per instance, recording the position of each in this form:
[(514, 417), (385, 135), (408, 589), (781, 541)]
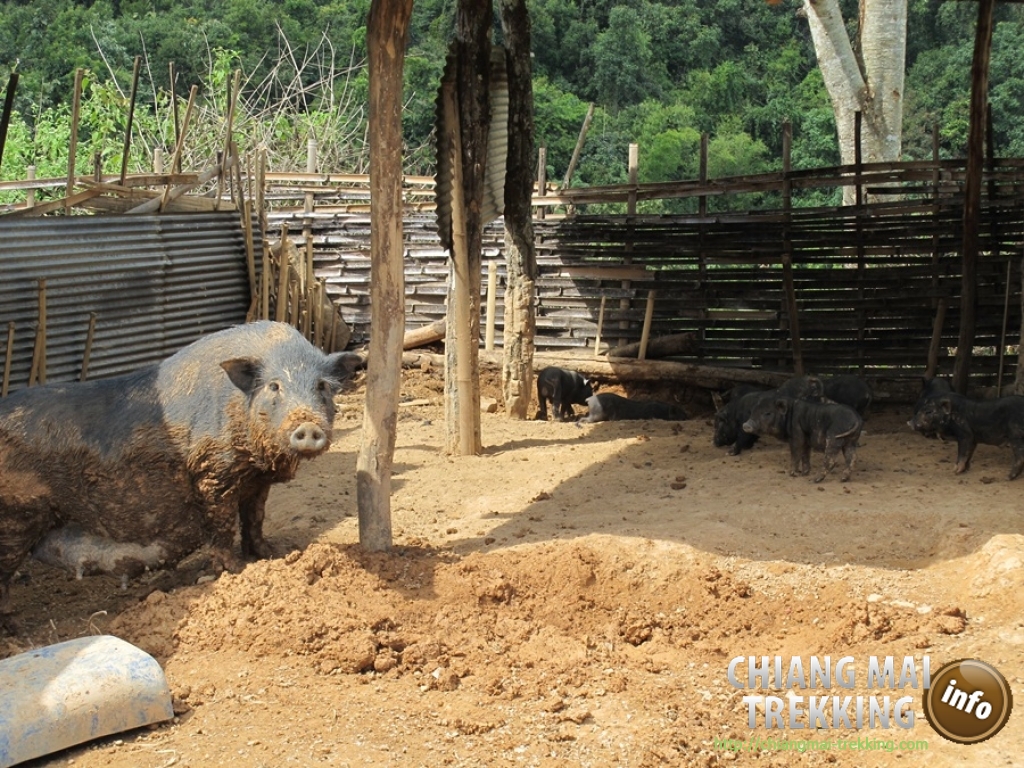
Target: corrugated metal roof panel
[(156, 283)]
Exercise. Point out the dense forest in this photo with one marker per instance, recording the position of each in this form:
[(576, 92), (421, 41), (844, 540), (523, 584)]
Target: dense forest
[(659, 73)]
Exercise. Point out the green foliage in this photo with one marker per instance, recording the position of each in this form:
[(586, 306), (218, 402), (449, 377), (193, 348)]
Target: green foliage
[(661, 73)]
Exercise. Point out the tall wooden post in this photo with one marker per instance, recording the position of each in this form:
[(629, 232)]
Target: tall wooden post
[(972, 194), (387, 32), (520, 255)]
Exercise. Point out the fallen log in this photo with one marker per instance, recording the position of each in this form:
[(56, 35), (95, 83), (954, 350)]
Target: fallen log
[(425, 334), (663, 346)]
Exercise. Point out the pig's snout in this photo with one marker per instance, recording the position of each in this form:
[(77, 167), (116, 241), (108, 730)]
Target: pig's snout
[(308, 438)]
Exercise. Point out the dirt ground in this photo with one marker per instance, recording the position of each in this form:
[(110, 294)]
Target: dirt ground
[(573, 596)]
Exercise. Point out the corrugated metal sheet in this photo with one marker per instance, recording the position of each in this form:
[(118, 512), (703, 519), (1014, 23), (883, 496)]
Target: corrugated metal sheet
[(493, 204), (156, 283)]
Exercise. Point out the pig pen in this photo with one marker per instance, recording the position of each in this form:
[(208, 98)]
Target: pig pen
[(573, 596)]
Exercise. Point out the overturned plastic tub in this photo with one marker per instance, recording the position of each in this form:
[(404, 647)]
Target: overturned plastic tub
[(55, 697)]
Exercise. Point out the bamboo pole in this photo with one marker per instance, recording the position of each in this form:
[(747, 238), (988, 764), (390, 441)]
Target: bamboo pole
[(645, 334), (250, 247), (131, 118), (88, 347), (172, 78), (283, 291), (229, 128), (180, 143), (542, 178), (76, 108), (30, 195), (492, 303), (8, 357), (265, 278), (600, 326)]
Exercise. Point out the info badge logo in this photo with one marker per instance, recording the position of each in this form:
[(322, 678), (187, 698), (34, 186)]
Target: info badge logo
[(968, 702)]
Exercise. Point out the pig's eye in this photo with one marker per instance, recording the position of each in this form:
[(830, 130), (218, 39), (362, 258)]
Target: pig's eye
[(274, 386)]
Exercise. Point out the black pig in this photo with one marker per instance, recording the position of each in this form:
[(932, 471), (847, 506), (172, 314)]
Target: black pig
[(608, 406), (563, 388), (159, 462), (969, 422), (849, 389), (828, 427), (730, 418)]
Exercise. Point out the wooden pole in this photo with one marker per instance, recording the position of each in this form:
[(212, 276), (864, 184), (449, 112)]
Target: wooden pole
[(627, 285), (76, 108), (172, 78), (461, 288), (5, 117), (88, 347), (1002, 335), (282, 286), (972, 194), (265, 278), (542, 179), (492, 303), (180, 143), (600, 326), (250, 246), (30, 195), (791, 311), (8, 357), (131, 119), (42, 331), (645, 334), (579, 146), (936, 342)]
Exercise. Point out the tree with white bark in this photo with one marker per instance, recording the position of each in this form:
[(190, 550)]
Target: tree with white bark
[(867, 78)]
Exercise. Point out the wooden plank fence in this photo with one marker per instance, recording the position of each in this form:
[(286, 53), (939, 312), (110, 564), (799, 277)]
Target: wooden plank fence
[(867, 280)]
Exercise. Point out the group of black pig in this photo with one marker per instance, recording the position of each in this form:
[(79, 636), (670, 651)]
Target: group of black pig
[(807, 412)]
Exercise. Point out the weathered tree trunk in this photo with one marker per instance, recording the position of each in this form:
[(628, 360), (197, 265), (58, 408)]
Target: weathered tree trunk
[(472, 49), (386, 39), (872, 84), (663, 346), (521, 269), (425, 334)]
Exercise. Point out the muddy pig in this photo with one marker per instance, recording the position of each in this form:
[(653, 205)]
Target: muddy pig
[(563, 388), (150, 466), (611, 407), (969, 422), (828, 427)]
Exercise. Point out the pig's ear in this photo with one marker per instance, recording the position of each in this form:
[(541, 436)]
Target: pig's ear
[(341, 365), (243, 372), (946, 405)]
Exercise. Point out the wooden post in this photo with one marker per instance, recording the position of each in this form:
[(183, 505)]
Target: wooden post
[(1002, 335), (158, 161), (634, 166), (645, 334), (492, 303), (179, 145), (76, 107), (250, 246), (461, 288), (579, 146), (387, 32), (87, 355), (265, 278), (972, 194), (30, 195), (600, 326), (42, 331), (282, 286), (936, 342), (8, 109), (8, 356), (542, 179), (131, 118), (172, 78), (791, 311)]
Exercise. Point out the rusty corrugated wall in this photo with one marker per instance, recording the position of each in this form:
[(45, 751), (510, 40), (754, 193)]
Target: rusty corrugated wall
[(156, 283)]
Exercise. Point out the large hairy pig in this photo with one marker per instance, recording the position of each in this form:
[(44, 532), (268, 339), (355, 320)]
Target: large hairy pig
[(141, 470)]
